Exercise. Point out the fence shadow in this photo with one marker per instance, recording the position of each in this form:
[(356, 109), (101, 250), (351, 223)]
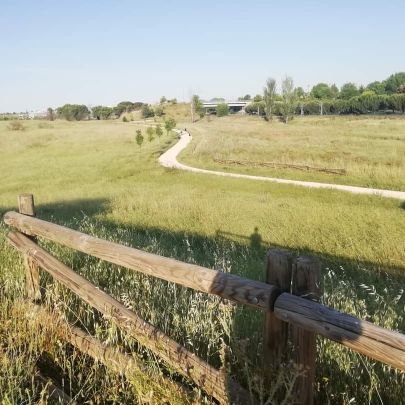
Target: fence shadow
[(243, 255)]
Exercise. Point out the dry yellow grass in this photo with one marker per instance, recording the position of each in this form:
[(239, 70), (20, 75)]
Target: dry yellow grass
[(370, 149)]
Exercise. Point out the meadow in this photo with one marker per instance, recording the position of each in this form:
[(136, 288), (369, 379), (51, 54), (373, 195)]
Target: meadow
[(369, 149), (92, 176)]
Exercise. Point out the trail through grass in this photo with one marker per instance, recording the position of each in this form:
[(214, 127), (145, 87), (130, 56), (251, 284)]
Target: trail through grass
[(93, 177)]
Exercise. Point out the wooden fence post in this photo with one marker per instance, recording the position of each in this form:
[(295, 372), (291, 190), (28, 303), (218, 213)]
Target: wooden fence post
[(26, 206), (278, 273), (306, 276)]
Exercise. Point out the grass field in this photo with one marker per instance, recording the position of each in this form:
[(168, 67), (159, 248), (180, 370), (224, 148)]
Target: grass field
[(92, 176), (370, 149)]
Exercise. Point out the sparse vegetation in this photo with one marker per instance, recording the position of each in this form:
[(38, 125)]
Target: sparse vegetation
[(16, 126)]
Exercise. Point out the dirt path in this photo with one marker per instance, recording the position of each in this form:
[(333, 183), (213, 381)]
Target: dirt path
[(169, 159)]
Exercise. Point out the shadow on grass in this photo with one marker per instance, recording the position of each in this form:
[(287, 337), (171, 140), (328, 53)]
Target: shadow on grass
[(243, 255)]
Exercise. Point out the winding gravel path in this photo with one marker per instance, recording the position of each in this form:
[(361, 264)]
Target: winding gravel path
[(169, 159)]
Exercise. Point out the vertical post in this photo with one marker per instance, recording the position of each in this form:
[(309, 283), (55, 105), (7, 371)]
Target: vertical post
[(306, 275), (26, 206), (278, 273)]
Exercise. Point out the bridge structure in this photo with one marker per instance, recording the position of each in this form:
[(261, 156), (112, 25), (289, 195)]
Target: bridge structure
[(234, 106)]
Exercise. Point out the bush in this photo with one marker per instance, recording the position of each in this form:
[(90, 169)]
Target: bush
[(15, 126), (252, 108), (222, 109), (124, 119), (147, 111)]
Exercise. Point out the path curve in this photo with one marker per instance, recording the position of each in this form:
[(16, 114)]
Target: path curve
[(169, 159)]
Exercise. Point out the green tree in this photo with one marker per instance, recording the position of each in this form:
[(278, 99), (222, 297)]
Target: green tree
[(139, 138), (222, 109), (393, 83), (322, 91), (147, 111), (50, 114), (101, 112), (163, 100), (159, 131), (150, 131), (269, 97), (124, 106), (348, 91), (196, 107), (257, 98), (170, 124), (377, 87), (288, 99), (73, 112)]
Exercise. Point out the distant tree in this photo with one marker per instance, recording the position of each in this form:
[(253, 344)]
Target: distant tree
[(150, 131), (196, 107), (370, 101), (393, 83), (163, 100), (269, 97), (217, 99), (247, 97), (322, 91), (170, 124), (159, 131), (348, 90), (222, 109), (50, 114), (101, 112), (73, 112), (300, 92), (173, 101), (147, 111), (257, 98), (124, 106), (377, 87), (335, 90), (288, 99), (139, 138), (256, 108)]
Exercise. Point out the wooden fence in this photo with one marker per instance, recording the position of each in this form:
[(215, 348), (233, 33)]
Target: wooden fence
[(288, 298)]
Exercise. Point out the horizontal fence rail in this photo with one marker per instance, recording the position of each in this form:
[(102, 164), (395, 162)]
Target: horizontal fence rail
[(364, 337), (231, 287), (175, 355)]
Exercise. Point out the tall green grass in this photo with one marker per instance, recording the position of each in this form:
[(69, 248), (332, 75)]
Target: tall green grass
[(92, 177)]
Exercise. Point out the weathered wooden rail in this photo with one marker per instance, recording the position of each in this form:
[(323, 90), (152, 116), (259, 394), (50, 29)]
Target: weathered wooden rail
[(288, 298)]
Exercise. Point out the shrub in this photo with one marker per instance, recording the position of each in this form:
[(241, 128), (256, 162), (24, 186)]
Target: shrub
[(124, 119), (15, 126), (222, 109)]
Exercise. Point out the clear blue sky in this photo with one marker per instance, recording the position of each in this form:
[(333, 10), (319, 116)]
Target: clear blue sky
[(103, 52)]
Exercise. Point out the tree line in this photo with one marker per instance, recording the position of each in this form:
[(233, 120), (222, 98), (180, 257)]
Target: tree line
[(79, 112), (377, 97)]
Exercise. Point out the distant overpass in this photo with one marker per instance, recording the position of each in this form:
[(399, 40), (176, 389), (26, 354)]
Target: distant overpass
[(233, 105)]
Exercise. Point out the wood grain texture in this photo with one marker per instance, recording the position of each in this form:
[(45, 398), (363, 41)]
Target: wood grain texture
[(26, 204), (306, 277), (231, 287), (364, 337), (176, 356), (26, 207), (278, 273)]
